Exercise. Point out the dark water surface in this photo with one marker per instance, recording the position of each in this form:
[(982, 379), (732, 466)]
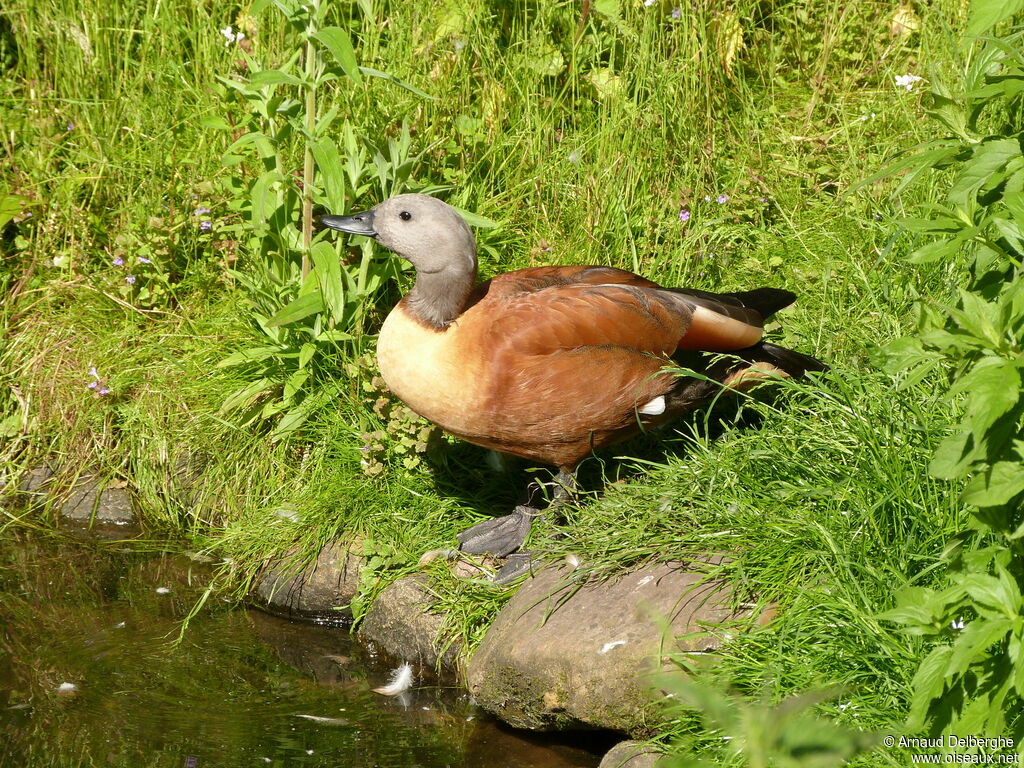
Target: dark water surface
[(101, 617)]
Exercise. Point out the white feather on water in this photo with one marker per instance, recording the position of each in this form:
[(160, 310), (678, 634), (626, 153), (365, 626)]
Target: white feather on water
[(401, 680)]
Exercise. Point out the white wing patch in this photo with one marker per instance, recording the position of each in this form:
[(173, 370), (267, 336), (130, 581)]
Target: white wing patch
[(655, 407)]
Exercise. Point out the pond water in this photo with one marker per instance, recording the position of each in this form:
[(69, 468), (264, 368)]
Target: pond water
[(90, 676)]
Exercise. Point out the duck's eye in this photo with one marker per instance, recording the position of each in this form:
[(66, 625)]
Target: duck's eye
[(405, 215)]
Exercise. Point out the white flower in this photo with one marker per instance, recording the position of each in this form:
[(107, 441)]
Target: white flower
[(907, 81), (231, 36), (957, 624), (649, 3)]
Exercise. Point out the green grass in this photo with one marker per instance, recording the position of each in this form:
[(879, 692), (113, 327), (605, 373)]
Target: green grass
[(821, 495)]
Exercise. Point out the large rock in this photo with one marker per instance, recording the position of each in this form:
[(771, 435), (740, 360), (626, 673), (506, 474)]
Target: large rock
[(323, 590), (557, 658), (630, 754), (90, 500), (401, 622)]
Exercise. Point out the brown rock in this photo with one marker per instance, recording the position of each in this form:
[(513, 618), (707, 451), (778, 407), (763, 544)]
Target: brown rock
[(557, 658), (630, 754), (401, 623), (323, 590), (92, 501)]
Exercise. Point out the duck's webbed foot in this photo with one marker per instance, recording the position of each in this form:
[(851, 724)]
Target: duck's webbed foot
[(503, 536), (499, 536)]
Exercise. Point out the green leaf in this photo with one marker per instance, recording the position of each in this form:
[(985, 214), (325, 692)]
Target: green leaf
[(392, 79), (928, 155), (973, 642), (335, 335), (937, 250), (306, 353), (475, 219), (337, 41), (993, 388), (954, 456), (294, 383), (215, 122), (291, 421), (308, 304), (274, 77), (11, 206), (996, 485), (985, 14), (251, 355), (246, 395), (328, 273), (264, 144), (328, 161), (928, 684), (264, 197), (991, 157)]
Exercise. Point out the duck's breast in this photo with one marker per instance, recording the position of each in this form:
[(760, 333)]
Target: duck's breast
[(432, 371)]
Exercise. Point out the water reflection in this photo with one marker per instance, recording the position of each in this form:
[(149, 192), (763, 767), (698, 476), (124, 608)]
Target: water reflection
[(243, 688)]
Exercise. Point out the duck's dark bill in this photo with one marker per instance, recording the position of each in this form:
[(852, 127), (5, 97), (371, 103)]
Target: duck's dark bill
[(357, 224)]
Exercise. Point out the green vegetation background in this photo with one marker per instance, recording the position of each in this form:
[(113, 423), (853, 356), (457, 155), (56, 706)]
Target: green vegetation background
[(583, 137)]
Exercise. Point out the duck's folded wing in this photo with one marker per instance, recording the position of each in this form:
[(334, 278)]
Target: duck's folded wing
[(645, 318)]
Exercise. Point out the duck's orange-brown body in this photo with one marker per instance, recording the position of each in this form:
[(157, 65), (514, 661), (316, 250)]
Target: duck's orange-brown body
[(552, 362)]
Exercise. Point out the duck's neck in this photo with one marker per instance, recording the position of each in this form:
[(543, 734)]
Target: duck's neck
[(438, 298)]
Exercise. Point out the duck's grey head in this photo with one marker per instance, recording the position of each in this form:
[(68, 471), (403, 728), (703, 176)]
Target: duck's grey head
[(419, 228)]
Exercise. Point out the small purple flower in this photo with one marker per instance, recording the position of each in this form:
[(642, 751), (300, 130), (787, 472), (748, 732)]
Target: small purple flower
[(103, 391), (130, 279), (205, 226), (92, 372), (118, 261), (201, 211), (93, 385), (684, 215), (677, 13), (70, 127), (144, 260), (722, 199)]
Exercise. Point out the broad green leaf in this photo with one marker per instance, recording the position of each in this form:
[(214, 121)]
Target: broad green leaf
[(335, 335), (996, 485), (274, 77), (308, 304), (1011, 231), (306, 353), (954, 456), (251, 355), (337, 41), (295, 383), (215, 122), (937, 250), (328, 161), (973, 642), (991, 157), (246, 395), (910, 614), (992, 387), (291, 421), (264, 144), (392, 79), (928, 684), (925, 156), (985, 14), (264, 197), (11, 206), (475, 219), (328, 273)]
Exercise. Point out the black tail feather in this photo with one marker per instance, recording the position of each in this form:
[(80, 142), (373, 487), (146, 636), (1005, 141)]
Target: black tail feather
[(792, 362), (767, 301)]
